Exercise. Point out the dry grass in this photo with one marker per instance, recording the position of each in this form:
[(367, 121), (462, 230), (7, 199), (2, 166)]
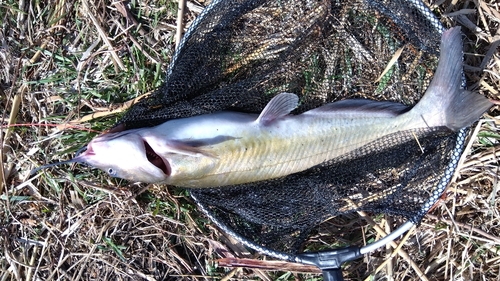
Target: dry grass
[(63, 59)]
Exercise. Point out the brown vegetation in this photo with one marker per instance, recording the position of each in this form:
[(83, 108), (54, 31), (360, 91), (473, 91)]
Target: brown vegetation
[(63, 59)]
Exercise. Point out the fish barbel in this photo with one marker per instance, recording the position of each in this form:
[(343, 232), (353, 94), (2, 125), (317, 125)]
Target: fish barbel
[(229, 148)]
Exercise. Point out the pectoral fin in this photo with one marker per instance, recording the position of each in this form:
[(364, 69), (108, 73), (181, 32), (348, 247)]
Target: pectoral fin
[(183, 148), (207, 141)]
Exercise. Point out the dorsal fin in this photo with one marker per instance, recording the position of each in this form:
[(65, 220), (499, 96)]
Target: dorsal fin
[(361, 108), (279, 106)]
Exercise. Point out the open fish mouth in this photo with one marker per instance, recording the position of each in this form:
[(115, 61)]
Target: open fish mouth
[(156, 159)]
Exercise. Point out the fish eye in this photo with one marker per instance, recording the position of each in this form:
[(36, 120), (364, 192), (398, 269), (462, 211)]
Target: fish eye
[(112, 172)]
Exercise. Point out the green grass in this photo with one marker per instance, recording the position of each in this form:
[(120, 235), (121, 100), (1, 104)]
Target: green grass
[(95, 227)]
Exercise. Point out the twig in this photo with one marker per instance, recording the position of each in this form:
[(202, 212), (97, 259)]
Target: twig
[(388, 249), (122, 107), (393, 244), (180, 22), (136, 43), (36, 56), (16, 103), (126, 13), (481, 16), (393, 60), (103, 36), (468, 227), (466, 151), (267, 265), (493, 49), (230, 274), (393, 254)]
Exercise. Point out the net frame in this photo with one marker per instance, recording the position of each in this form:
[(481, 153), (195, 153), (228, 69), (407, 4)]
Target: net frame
[(437, 191)]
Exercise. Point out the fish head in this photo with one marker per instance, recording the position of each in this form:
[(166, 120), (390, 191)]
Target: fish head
[(125, 155)]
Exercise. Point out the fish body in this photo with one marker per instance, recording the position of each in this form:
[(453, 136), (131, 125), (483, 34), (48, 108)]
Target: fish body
[(229, 148)]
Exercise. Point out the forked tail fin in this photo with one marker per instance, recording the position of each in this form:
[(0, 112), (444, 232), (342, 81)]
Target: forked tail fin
[(444, 102)]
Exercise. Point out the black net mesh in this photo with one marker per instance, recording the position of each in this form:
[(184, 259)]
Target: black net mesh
[(240, 53), (279, 214)]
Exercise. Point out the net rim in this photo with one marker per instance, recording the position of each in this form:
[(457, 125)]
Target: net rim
[(437, 191)]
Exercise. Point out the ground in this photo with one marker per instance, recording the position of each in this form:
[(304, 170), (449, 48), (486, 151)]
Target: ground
[(61, 59)]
